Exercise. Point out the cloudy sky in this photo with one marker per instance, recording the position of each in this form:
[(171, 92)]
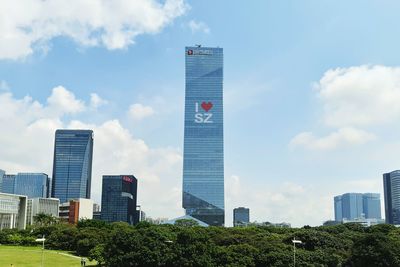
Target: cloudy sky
[(312, 95)]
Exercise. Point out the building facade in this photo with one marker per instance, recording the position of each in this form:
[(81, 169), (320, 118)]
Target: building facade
[(32, 185), (12, 211), (391, 187), (76, 209), (352, 206), (72, 165), (241, 216), (119, 199), (49, 206), (8, 183), (1, 179), (203, 159)]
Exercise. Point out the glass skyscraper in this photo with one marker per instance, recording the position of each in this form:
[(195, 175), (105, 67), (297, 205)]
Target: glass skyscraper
[(203, 156), (351, 206), (241, 216), (391, 186), (72, 165), (1, 179), (119, 199), (32, 185), (8, 183)]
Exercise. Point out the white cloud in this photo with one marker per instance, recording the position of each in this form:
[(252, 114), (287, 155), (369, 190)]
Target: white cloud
[(27, 146), (198, 26), (30, 24), (354, 100), (343, 136), (96, 101), (63, 101), (139, 111), (360, 96)]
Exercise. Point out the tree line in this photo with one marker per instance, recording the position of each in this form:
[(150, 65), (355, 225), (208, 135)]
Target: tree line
[(186, 244)]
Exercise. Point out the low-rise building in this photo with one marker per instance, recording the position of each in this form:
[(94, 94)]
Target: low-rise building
[(12, 211), (48, 206), (76, 209)]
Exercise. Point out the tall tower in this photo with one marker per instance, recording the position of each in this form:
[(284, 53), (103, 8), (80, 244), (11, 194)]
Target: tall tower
[(391, 187), (203, 157), (119, 199), (72, 165)]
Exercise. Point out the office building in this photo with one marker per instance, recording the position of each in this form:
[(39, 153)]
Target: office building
[(352, 206), (76, 209), (1, 179), (72, 165), (48, 206), (241, 216), (12, 211), (119, 199), (203, 156), (391, 187), (32, 185), (8, 183)]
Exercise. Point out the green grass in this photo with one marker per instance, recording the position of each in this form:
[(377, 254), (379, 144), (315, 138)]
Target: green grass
[(32, 257)]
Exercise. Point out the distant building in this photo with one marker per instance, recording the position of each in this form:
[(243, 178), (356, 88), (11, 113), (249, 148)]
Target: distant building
[(351, 206), (142, 216), (391, 186), (365, 222), (8, 183), (72, 164), (96, 212), (1, 179), (241, 216), (119, 199), (32, 185), (270, 224), (76, 209), (49, 206), (12, 211)]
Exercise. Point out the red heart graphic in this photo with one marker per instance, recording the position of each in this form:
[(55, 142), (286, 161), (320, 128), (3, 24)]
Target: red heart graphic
[(206, 106)]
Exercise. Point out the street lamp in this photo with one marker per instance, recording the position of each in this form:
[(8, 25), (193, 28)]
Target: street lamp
[(41, 240), (294, 241)]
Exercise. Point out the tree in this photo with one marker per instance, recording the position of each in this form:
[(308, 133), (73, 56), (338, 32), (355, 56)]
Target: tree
[(186, 223)]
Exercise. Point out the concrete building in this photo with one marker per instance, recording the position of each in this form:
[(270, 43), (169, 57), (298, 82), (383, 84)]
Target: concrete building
[(241, 216), (12, 211), (49, 206), (76, 209)]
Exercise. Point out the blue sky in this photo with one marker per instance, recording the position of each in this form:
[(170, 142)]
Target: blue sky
[(311, 89)]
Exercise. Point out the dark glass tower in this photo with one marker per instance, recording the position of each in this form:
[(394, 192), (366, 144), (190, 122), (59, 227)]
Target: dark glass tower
[(391, 187), (72, 165), (203, 159), (119, 198), (241, 216)]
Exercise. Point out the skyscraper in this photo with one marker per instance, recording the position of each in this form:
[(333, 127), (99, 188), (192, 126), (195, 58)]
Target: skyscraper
[(8, 183), (119, 199), (72, 165), (32, 185), (351, 206), (203, 159), (241, 216), (391, 186), (1, 178)]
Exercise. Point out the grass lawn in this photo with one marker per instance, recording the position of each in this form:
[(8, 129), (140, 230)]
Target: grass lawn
[(32, 257)]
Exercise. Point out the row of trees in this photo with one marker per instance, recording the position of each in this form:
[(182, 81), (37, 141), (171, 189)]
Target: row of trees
[(186, 244)]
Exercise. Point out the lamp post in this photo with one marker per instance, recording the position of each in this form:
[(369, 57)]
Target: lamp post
[(41, 240), (294, 241)]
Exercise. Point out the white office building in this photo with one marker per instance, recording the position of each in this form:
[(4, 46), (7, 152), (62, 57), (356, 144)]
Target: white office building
[(49, 206), (12, 211)]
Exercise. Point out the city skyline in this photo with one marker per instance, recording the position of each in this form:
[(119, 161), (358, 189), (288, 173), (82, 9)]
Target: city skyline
[(310, 98)]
